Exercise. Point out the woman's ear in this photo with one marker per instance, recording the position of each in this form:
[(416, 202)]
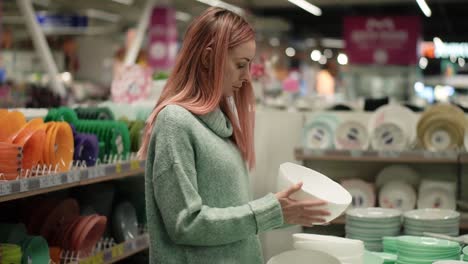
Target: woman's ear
[(206, 57)]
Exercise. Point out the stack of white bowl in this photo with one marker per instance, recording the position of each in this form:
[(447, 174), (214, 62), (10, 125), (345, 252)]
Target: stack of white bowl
[(372, 224), (348, 251), (441, 221), (303, 257)]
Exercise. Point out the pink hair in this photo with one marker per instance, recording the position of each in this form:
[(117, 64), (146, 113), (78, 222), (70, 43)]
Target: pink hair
[(198, 89)]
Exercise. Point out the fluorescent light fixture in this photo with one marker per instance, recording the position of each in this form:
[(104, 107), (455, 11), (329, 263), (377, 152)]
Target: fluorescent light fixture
[(342, 59), (315, 10), (333, 43), (103, 15), (182, 16), (323, 60), (219, 3), (424, 7), (124, 2), (275, 42), (290, 52)]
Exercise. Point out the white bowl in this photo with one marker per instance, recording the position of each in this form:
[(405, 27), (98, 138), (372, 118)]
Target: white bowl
[(315, 186), (338, 250), (303, 257)]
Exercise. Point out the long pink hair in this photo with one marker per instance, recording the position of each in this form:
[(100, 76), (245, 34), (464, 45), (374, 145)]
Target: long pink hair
[(199, 89)]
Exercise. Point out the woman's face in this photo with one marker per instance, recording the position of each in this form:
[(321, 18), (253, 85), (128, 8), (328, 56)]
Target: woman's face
[(237, 69)]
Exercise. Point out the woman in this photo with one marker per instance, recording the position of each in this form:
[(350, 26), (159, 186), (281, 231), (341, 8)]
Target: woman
[(198, 148)]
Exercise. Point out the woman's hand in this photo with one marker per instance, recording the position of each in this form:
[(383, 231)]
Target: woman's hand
[(303, 213)]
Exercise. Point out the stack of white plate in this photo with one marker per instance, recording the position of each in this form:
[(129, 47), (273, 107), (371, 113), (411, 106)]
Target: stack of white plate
[(352, 135), (437, 194), (319, 133), (347, 250), (439, 221), (392, 127), (372, 224)]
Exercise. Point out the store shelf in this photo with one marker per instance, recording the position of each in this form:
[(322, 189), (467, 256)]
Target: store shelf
[(118, 252), (378, 156), (12, 190)]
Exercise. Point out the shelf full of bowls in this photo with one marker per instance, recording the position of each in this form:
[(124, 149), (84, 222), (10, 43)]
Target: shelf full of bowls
[(402, 187), (392, 131)]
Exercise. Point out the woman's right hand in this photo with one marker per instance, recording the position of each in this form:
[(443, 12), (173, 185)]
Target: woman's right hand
[(303, 213)]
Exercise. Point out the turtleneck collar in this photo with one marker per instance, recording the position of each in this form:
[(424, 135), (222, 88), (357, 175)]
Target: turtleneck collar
[(218, 122)]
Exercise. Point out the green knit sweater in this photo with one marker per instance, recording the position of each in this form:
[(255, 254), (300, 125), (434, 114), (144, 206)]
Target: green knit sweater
[(198, 201)]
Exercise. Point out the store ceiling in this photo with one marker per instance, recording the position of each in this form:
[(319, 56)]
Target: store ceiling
[(447, 22)]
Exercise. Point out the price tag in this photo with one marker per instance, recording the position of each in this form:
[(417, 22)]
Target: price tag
[(107, 256), (129, 246), (98, 258), (389, 154), (109, 170), (34, 184), (134, 164), (5, 188), (15, 186), (101, 171), (356, 153), (73, 176), (45, 182), (92, 172), (117, 250), (62, 179), (84, 175), (118, 168), (24, 186)]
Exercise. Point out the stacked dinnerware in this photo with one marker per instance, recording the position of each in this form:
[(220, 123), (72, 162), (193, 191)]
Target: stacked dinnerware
[(390, 244), (319, 133), (441, 221), (426, 250), (372, 224)]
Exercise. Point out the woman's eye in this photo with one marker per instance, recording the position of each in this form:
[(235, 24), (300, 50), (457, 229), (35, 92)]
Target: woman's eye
[(240, 66)]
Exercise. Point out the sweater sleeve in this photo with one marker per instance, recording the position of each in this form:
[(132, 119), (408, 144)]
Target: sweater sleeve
[(187, 220)]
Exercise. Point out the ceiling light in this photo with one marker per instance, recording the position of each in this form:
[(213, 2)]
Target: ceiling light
[(328, 53), (103, 15), (323, 60), (219, 3), (342, 59), (124, 2), (275, 42), (316, 55), (453, 59), (290, 52), (424, 7), (182, 16), (423, 62), (307, 7)]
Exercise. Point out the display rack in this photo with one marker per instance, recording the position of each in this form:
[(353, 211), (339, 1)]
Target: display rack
[(11, 190), (378, 156), (117, 252)]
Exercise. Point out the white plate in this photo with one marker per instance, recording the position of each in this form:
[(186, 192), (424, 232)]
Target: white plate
[(303, 257), (351, 135), (362, 192), (397, 172), (397, 194), (432, 214), (374, 213), (437, 198), (389, 136)]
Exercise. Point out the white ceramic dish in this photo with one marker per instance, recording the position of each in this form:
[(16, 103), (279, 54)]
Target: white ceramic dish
[(303, 257), (335, 246), (397, 194), (363, 193), (437, 198), (375, 213), (432, 214), (315, 186), (351, 135)]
